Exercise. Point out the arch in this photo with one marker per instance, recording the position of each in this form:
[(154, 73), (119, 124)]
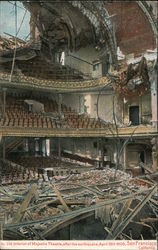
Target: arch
[(152, 20)]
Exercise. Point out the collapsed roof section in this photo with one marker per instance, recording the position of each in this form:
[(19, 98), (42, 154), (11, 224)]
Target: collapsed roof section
[(58, 30), (58, 27), (36, 73), (134, 81), (128, 25)]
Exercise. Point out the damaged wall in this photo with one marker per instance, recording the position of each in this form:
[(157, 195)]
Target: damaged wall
[(138, 152), (87, 60), (134, 33), (144, 104), (85, 147), (88, 103), (81, 146)]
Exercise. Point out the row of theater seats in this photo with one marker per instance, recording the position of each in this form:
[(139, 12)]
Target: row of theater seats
[(40, 69), (14, 173), (40, 162), (18, 116), (37, 165), (14, 103), (46, 122), (28, 121)]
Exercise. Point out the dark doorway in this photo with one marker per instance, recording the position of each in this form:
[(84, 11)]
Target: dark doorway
[(134, 115), (142, 156)]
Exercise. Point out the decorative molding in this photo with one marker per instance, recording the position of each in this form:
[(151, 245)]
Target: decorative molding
[(141, 131), (56, 86)]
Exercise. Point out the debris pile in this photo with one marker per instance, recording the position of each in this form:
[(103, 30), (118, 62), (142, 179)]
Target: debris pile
[(40, 209), (134, 80), (9, 43)]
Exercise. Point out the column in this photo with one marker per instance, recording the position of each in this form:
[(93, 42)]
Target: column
[(102, 153), (4, 148), (154, 98), (43, 147), (40, 147), (37, 148), (31, 146), (47, 147), (154, 143), (125, 157), (4, 102), (59, 148), (59, 105)]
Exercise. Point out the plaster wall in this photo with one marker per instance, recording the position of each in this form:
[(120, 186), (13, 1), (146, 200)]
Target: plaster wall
[(72, 100), (144, 103), (133, 154), (105, 106), (80, 146), (83, 60), (88, 103)]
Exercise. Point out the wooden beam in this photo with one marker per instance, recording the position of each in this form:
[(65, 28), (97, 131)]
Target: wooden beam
[(57, 202), (149, 220), (79, 211), (128, 219), (92, 190), (121, 216), (25, 203), (61, 199)]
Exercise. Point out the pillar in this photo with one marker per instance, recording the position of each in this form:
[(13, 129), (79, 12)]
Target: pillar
[(154, 98), (4, 147), (59, 105), (47, 147), (154, 143), (4, 102), (81, 104), (102, 153), (125, 157), (44, 147), (59, 148), (31, 146), (37, 148), (40, 147)]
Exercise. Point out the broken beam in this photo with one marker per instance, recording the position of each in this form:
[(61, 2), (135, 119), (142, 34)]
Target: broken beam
[(126, 221), (77, 212), (61, 199), (25, 203)]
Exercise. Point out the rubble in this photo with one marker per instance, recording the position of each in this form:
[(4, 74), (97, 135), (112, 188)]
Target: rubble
[(39, 209), (9, 43)]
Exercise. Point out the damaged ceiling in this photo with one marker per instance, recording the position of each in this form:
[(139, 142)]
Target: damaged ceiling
[(102, 24)]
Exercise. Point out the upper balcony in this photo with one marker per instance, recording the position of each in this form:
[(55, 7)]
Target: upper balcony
[(22, 118)]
